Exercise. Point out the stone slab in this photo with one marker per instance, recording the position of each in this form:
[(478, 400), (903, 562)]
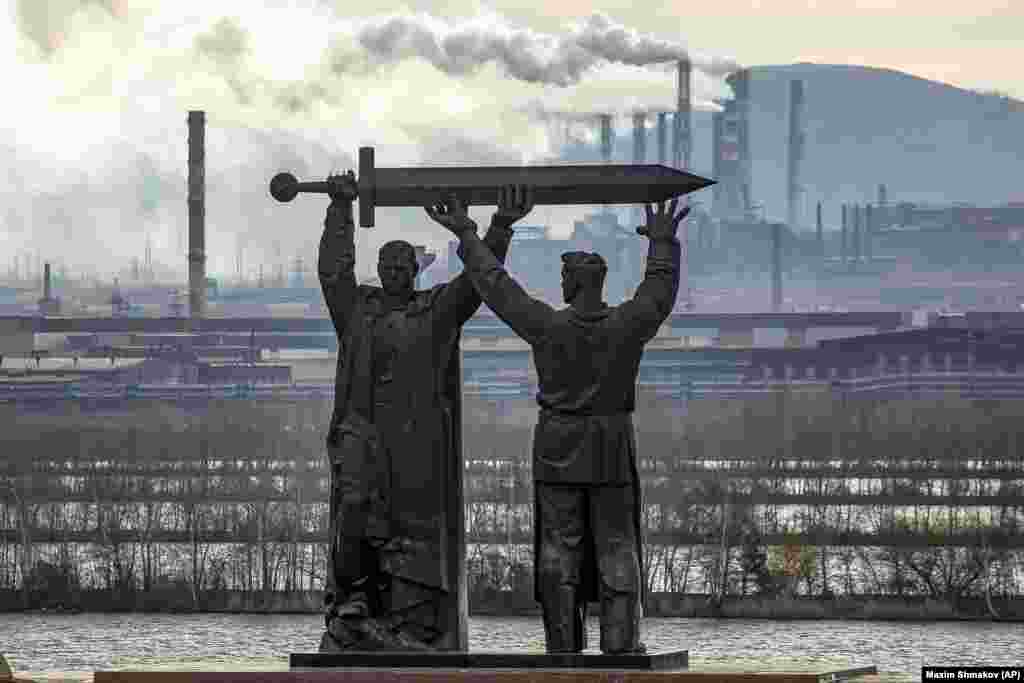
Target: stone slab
[(660, 661), (450, 676)]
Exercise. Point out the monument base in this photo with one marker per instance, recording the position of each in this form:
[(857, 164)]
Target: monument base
[(485, 667), (662, 661)]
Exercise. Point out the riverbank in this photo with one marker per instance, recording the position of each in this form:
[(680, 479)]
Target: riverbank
[(174, 600), (225, 642)]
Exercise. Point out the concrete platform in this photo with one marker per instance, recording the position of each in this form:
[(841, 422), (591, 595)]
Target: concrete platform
[(449, 675), (662, 661), (867, 674)]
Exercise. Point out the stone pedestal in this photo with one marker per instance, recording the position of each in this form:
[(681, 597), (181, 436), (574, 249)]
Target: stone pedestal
[(662, 661), (451, 675), (483, 667)]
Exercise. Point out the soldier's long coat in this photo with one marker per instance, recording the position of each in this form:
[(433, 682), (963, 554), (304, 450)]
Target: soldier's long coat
[(408, 496)]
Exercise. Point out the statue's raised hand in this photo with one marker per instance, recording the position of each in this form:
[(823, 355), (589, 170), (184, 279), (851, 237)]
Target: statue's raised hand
[(452, 214), (514, 202), (662, 221)]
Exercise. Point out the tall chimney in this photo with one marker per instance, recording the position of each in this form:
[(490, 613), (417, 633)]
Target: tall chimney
[(639, 138), (868, 223), (717, 196), (681, 147), (857, 236), (776, 267), (639, 153), (606, 137), (733, 197), (746, 170), (843, 245), (196, 213), (662, 135), (796, 149), (820, 233), (46, 281)]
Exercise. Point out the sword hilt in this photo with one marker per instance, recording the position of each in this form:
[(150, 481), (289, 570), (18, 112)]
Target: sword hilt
[(285, 187)]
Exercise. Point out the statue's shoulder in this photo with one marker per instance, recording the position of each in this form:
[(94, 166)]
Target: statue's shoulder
[(368, 291), (424, 299)]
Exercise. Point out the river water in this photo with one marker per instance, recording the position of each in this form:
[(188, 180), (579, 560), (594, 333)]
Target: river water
[(70, 647)]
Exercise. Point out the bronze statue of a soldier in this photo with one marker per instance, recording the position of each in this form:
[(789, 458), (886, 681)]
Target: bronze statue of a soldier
[(394, 441), (587, 493)]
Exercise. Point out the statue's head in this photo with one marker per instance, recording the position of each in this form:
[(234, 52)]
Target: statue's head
[(397, 267), (582, 272)]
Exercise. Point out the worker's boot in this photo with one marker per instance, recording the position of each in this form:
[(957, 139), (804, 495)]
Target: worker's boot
[(563, 620), (620, 624)]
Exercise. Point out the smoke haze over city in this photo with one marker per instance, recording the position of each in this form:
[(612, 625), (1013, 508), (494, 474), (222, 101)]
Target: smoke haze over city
[(96, 136)]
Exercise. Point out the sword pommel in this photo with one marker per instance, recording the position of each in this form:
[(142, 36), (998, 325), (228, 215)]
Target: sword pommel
[(284, 187)]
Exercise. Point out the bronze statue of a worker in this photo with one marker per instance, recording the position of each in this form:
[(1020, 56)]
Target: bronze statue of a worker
[(587, 493), (394, 442)]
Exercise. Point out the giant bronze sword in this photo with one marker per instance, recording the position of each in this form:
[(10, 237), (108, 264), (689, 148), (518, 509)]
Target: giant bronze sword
[(479, 185)]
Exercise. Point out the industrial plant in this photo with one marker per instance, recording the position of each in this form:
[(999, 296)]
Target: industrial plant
[(817, 339)]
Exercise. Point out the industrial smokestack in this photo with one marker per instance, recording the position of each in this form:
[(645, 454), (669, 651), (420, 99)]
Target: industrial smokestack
[(796, 149), (733, 200), (639, 153), (717, 196), (606, 137), (662, 135), (681, 145), (820, 232), (196, 213), (857, 235), (845, 237), (639, 138), (46, 282), (867, 233), (776, 267)]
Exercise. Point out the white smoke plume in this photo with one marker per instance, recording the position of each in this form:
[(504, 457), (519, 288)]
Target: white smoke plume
[(95, 137), (526, 55)]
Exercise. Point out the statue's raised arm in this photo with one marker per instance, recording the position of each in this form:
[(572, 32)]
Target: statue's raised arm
[(336, 262), (656, 296)]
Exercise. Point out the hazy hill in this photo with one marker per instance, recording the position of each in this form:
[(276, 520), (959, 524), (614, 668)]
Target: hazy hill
[(927, 141)]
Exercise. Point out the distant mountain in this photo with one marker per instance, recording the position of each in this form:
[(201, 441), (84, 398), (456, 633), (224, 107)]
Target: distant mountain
[(927, 141)]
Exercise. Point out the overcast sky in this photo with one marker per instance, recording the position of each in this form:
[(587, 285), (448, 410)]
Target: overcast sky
[(95, 136)]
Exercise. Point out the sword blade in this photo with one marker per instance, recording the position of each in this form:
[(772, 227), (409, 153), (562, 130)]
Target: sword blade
[(552, 185)]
